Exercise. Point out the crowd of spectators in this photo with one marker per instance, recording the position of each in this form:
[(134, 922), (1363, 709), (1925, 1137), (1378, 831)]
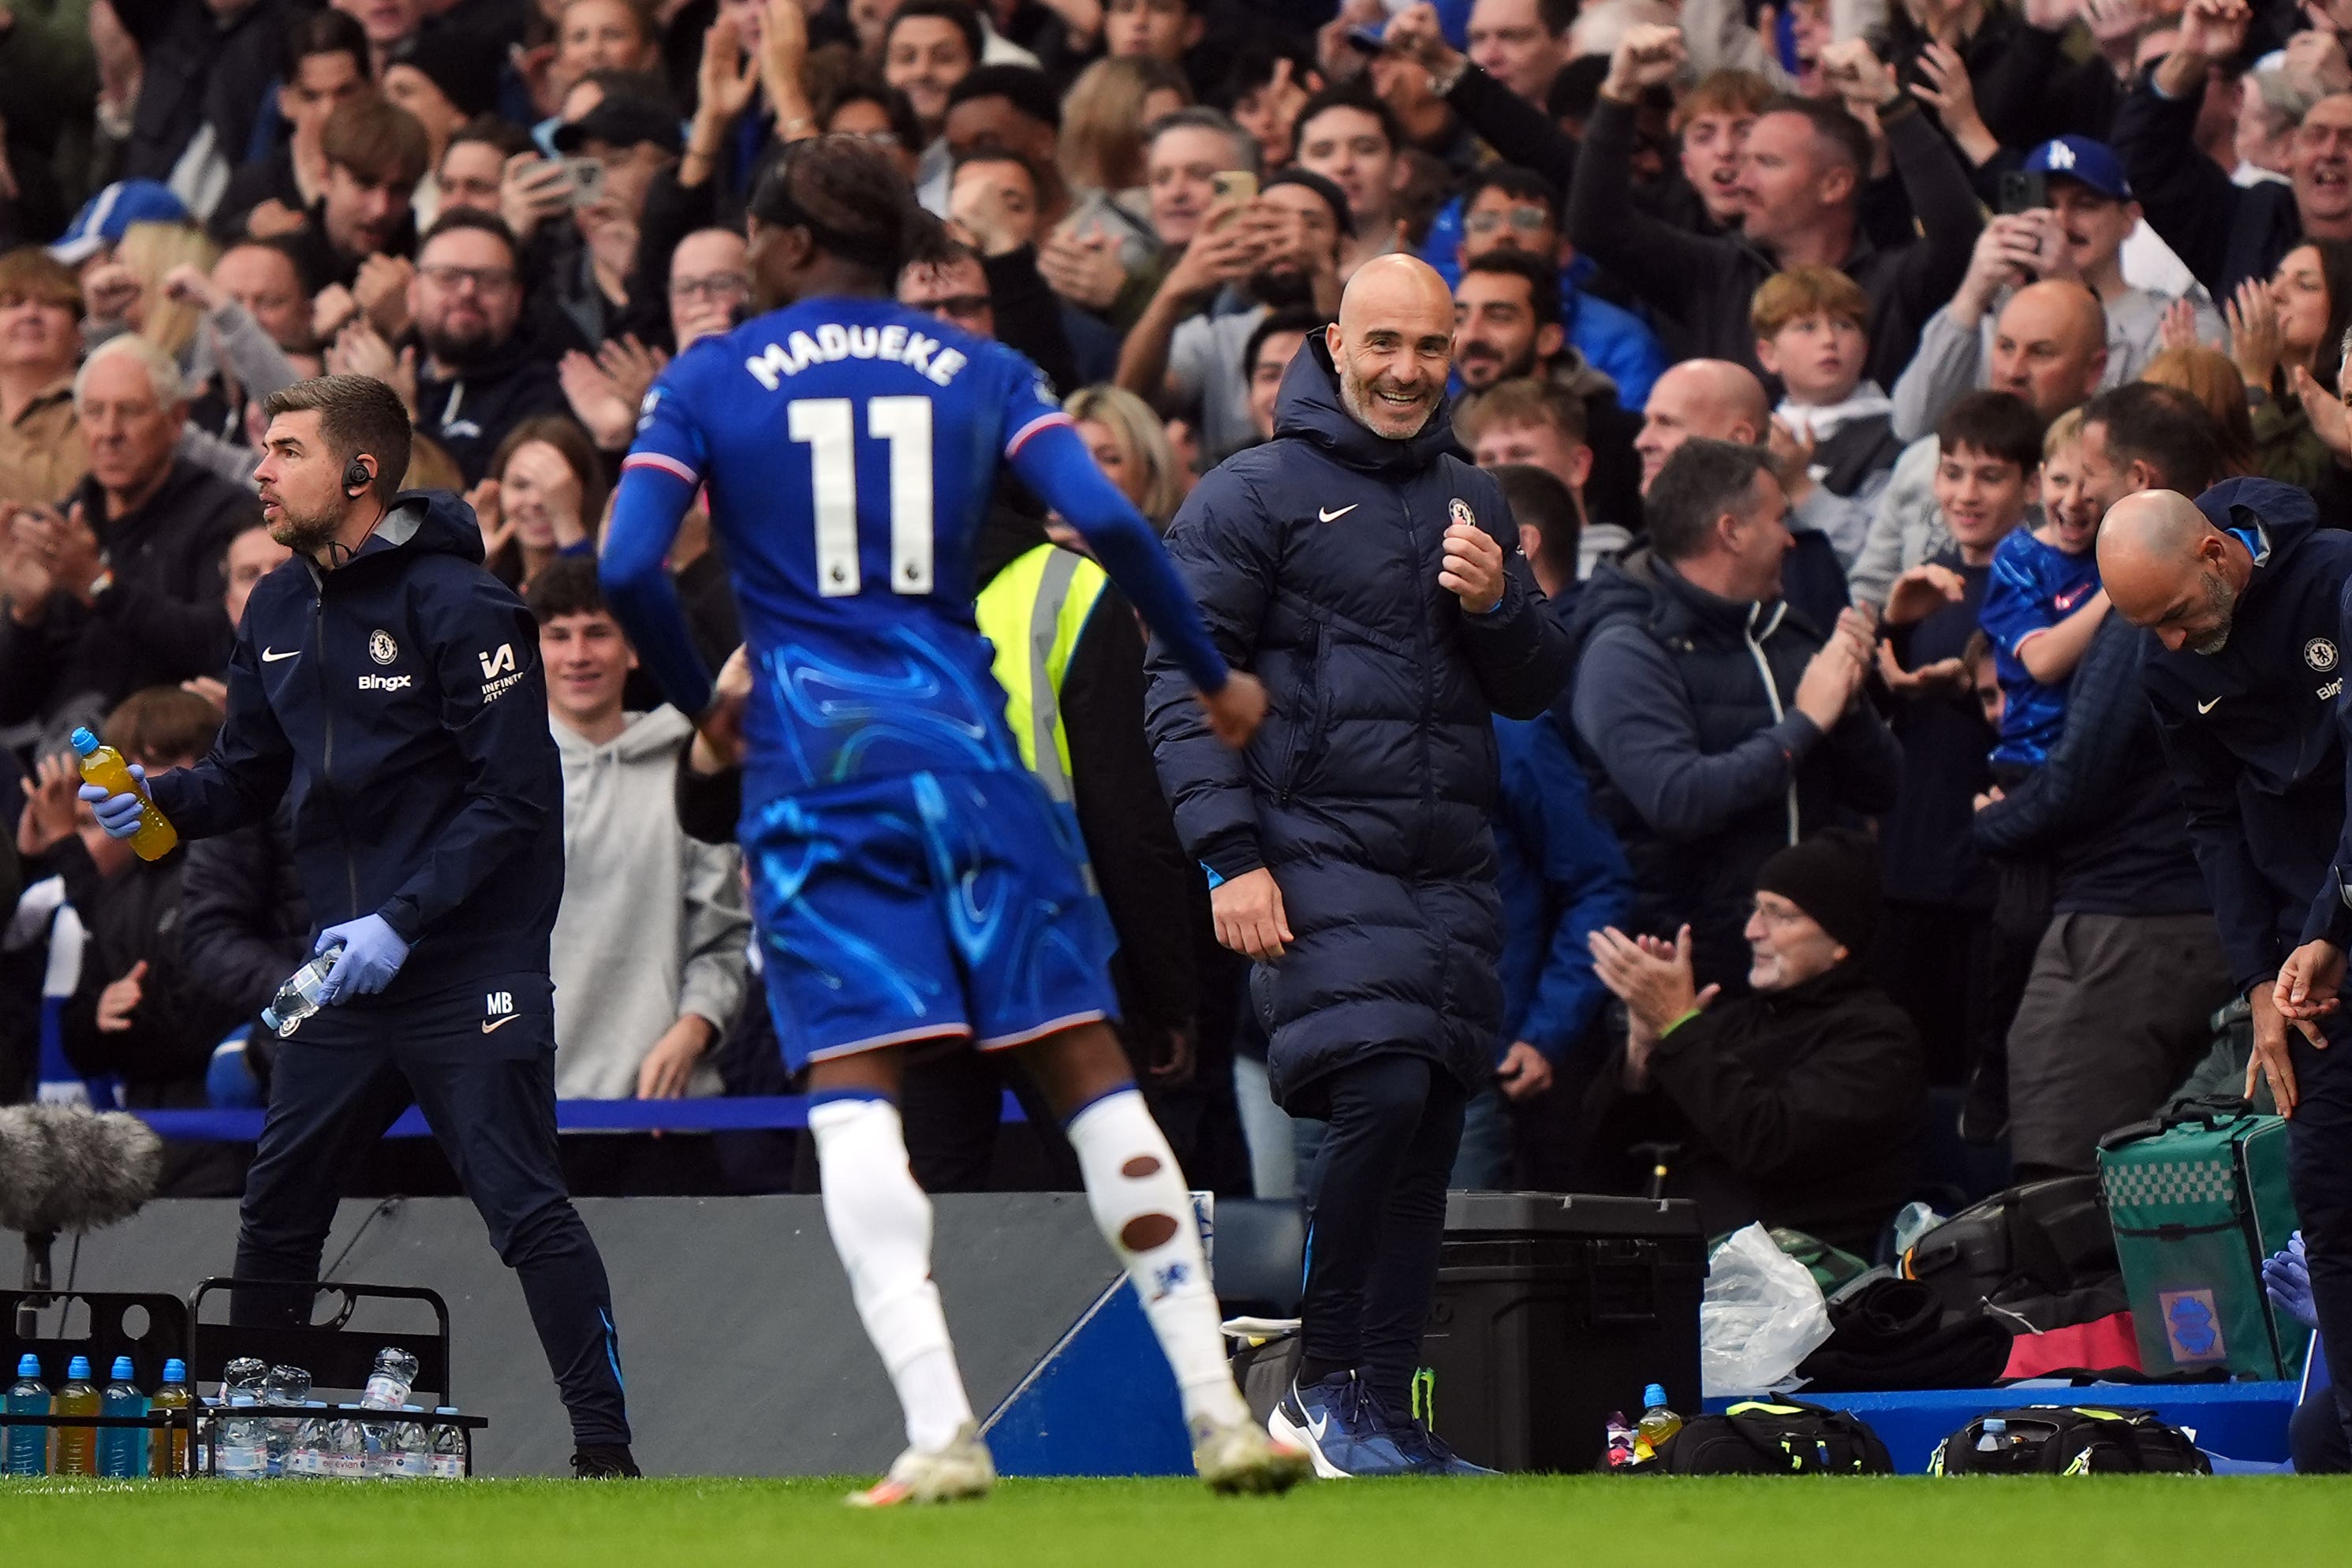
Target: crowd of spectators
[(1809, 359)]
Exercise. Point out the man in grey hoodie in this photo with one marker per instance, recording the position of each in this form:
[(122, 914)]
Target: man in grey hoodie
[(650, 940)]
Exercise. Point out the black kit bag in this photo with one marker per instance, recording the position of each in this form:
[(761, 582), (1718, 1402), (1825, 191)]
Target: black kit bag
[(2068, 1441), (1774, 1437), (2037, 1256)]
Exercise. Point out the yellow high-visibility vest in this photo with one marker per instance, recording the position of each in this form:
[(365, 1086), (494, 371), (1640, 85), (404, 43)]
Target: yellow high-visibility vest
[(1032, 612)]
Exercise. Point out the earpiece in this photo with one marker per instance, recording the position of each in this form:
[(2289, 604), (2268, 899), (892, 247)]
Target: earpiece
[(357, 476)]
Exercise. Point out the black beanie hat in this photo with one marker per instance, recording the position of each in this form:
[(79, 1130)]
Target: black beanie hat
[(1834, 877)]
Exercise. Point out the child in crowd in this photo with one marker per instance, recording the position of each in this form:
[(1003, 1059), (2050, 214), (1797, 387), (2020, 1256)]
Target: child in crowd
[(1834, 430), (1939, 892), (2044, 604)]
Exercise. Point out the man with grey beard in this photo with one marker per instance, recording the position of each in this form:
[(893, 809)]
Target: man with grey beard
[(1373, 581)]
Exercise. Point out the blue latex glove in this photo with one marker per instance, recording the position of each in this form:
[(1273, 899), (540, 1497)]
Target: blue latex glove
[(373, 954), (2286, 1278), (117, 813)]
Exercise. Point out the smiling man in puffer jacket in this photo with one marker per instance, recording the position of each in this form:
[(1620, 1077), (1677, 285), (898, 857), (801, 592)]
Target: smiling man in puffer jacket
[(1372, 580)]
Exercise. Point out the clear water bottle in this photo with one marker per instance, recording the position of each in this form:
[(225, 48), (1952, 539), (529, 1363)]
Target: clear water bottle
[(243, 1441), (408, 1456), (306, 1458), (27, 1450), (448, 1448), (121, 1449), (346, 1451), (1992, 1438), (298, 997), (286, 1385), (387, 1389), (388, 1385)]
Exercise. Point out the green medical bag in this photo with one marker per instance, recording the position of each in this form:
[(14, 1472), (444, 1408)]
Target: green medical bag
[(2198, 1199)]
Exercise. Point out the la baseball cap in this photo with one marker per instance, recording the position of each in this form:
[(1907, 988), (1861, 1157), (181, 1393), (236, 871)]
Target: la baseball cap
[(2084, 162)]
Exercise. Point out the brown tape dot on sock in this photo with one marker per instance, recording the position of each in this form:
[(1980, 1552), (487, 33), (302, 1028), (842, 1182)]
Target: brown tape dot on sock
[(1147, 1231), (1142, 1166)]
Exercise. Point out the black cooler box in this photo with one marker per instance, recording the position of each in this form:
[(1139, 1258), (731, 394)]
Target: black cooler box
[(1553, 1310)]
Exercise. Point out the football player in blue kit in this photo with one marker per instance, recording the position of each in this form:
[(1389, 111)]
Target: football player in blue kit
[(911, 880)]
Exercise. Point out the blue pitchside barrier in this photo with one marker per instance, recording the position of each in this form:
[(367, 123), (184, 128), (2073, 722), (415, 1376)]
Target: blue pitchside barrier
[(779, 1111)]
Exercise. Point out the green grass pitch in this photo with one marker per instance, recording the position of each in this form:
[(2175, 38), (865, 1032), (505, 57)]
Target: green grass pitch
[(1605, 1521)]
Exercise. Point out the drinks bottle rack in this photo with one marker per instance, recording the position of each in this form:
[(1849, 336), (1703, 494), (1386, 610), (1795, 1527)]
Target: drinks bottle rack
[(337, 1355)]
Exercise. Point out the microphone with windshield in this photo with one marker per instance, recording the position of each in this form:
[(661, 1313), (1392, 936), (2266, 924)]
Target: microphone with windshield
[(65, 1168)]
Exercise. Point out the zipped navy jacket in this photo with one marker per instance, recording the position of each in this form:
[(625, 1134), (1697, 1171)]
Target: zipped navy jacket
[(399, 704), (1368, 789), (2252, 729)]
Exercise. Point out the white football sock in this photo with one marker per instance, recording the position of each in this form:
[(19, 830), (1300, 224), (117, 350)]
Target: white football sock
[(1141, 1201), (881, 1225)]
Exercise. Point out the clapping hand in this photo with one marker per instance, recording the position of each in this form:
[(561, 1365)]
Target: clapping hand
[(2330, 421), (596, 401), (1834, 675), (1935, 678), (630, 366), (1084, 270), (1653, 981), (51, 817), (1921, 592), (2255, 342), (360, 350), (488, 501), (728, 76), (1792, 454), (2177, 327)]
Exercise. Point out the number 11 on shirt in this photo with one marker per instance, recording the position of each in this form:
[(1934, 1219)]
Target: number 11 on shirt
[(828, 427)]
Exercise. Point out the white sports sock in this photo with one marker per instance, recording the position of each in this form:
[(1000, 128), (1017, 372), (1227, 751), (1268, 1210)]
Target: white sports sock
[(1141, 1201), (881, 1225)]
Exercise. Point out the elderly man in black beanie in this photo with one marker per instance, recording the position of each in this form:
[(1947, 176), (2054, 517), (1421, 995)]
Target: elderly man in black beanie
[(1799, 1105)]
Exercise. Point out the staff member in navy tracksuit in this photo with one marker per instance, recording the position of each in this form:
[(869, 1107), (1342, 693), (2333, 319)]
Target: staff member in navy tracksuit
[(2245, 592), (391, 689)]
